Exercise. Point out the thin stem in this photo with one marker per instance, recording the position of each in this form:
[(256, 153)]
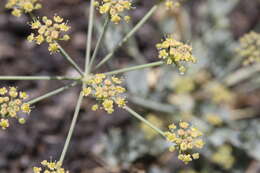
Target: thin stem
[(101, 37), (52, 93), (138, 67), (72, 127), (89, 39), (70, 60), (130, 34), (38, 78), (136, 115)]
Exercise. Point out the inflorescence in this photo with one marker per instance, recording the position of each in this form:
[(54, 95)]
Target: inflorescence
[(106, 90), (115, 9), (250, 48), (11, 102), (50, 31), (173, 51), (50, 167), (19, 7), (185, 138)]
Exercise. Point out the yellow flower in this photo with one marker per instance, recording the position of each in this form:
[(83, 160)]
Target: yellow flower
[(26, 108), (115, 8), (214, 119), (223, 157), (184, 138), (4, 123), (171, 4), (53, 47), (22, 6), (173, 51), (250, 48), (49, 31), (219, 94), (12, 101), (108, 105), (50, 167), (106, 90)]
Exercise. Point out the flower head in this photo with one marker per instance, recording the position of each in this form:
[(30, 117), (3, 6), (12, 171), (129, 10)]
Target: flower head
[(19, 7), (49, 31), (115, 9), (214, 120), (185, 138), (250, 48), (106, 90), (223, 157), (11, 102), (219, 94), (50, 167), (173, 51)]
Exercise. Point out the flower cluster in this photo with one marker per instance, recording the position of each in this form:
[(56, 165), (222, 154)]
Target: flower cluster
[(50, 167), (115, 9), (171, 4), (250, 48), (223, 157), (173, 51), (11, 102), (22, 6), (220, 94), (106, 90), (214, 120), (185, 138), (50, 31), (184, 85)]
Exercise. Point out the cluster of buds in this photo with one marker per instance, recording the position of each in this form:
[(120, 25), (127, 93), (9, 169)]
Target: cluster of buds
[(50, 167), (11, 102), (250, 48), (185, 138), (173, 51), (214, 119), (171, 4), (19, 7), (219, 94), (114, 8), (50, 31), (224, 157), (106, 90)]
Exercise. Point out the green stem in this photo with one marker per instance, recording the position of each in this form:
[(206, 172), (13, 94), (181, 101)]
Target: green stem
[(136, 115), (72, 127), (89, 39), (70, 60), (52, 93), (103, 32), (138, 67), (38, 78), (130, 34)]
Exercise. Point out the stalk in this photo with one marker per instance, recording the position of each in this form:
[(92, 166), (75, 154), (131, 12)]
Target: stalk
[(89, 39), (130, 34), (72, 127), (139, 117), (101, 38), (70, 60), (138, 67), (38, 78), (52, 93)]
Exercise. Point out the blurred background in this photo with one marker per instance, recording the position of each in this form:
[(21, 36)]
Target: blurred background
[(218, 94)]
